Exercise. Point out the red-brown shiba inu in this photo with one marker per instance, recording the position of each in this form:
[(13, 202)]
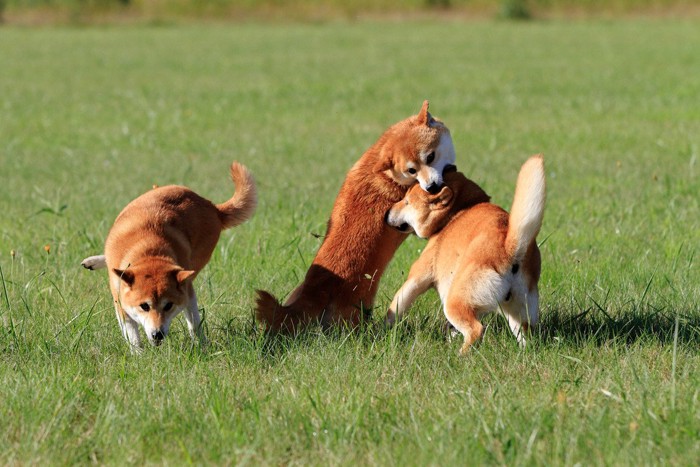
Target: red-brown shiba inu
[(157, 246), (479, 257), (342, 281)]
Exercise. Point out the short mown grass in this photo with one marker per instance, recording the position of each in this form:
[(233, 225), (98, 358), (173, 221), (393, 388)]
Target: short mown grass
[(92, 117)]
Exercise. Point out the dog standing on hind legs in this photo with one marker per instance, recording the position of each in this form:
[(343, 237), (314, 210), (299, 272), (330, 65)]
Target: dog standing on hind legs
[(342, 281), (157, 246), (478, 257)]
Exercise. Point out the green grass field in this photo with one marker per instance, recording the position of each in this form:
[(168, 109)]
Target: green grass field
[(90, 118)]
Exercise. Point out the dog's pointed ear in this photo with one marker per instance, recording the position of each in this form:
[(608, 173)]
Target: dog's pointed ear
[(442, 199), (181, 276), (424, 117), (125, 275)]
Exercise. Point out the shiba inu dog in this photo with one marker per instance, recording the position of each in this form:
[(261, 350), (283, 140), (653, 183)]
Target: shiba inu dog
[(342, 281), (157, 246), (479, 257)]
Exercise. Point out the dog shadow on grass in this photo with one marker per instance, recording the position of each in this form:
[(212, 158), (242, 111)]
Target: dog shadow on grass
[(594, 326), (247, 333), (590, 327)]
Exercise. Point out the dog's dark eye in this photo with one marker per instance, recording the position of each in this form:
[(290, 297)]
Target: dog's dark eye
[(144, 306), (412, 171), (168, 306), (431, 157)]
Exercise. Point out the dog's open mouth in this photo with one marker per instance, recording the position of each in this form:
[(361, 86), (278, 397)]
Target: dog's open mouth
[(404, 228)]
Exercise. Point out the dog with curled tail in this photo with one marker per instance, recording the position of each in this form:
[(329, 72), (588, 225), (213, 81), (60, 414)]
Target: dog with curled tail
[(157, 246)]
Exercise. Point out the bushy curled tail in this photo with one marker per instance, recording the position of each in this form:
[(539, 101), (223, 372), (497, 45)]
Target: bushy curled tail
[(277, 317), (527, 210), (242, 204)]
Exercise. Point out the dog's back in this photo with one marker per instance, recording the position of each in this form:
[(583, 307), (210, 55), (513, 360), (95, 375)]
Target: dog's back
[(476, 241), (177, 222), (172, 221)]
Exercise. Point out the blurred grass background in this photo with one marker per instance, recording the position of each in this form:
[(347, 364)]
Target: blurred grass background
[(157, 11)]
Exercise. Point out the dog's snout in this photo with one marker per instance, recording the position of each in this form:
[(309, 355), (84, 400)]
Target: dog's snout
[(403, 227), (386, 216), (157, 336), (433, 188)]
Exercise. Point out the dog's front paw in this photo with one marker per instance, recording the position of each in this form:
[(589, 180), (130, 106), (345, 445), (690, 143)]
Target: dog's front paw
[(94, 262)]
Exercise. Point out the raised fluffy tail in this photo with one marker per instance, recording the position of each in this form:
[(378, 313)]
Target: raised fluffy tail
[(527, 210), (242, 204), (277, 317)]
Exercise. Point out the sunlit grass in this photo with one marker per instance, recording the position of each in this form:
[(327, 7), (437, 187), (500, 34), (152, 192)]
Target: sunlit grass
[(91, 118)]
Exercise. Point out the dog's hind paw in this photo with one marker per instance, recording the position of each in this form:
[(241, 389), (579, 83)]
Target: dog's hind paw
[(94, 262)]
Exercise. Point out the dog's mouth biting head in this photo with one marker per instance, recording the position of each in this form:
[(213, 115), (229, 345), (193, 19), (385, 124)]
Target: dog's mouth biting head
[(417, 149), (420, 212), (435, 163), (426, 165)]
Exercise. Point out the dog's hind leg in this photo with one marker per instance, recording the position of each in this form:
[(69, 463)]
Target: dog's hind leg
[(94, 262), (463, 317), (522, 314)]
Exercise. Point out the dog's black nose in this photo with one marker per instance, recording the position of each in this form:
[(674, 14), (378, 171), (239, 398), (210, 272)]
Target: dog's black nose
[(433, 188), (157, 336), (403, 227)]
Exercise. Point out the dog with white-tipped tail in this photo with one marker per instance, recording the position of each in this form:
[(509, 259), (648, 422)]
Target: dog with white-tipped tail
[(478, 257)]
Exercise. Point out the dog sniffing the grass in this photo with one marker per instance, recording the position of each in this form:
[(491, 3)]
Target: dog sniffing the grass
[(157, 246), (342, 281), (478, 257)]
